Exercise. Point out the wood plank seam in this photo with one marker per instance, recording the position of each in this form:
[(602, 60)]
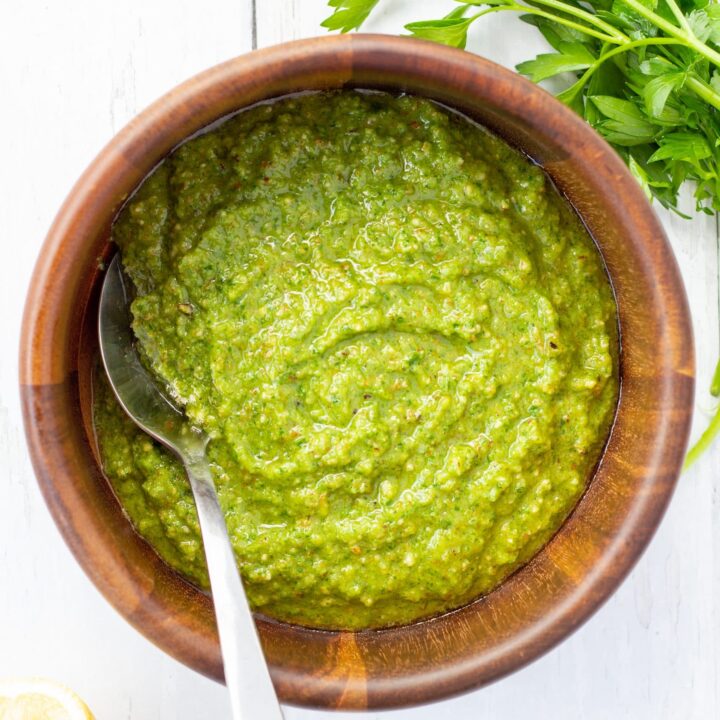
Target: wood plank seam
[(253, 14)]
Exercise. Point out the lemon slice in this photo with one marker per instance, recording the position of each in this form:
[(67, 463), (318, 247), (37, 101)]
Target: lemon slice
[(38, 699)]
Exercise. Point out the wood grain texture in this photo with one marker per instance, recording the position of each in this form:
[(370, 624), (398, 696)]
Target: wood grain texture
[(539, 605)]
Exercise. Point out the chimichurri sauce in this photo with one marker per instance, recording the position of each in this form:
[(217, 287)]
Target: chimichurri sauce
[(399, 337)]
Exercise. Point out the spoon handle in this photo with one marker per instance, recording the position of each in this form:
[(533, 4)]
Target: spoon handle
[(252, 695)]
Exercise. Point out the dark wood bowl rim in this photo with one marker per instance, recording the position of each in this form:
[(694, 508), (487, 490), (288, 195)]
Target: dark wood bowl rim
[(541, 604)]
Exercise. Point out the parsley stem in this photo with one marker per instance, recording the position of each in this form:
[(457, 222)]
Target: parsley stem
[(516, 7), (715, 385), (680, 16), (680, 33), (704, 442), (612, 32), (703, 90), (570, 94)]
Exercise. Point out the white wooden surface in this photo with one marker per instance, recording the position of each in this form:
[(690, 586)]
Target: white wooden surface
[(71, 74)]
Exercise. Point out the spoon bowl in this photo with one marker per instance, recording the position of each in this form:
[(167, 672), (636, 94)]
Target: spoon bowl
[(136, 390)]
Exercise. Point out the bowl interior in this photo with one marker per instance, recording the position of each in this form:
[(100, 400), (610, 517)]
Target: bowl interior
[(537, 606)]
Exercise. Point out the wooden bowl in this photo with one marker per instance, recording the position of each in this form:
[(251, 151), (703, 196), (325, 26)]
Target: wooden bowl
[(537, 606)]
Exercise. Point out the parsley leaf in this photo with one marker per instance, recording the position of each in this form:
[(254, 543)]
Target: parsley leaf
[(571, 56), (448, 30), (657, 91), (682, 146), (348, 14)]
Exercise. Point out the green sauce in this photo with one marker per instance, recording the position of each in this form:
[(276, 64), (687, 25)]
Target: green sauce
[(399, 337)]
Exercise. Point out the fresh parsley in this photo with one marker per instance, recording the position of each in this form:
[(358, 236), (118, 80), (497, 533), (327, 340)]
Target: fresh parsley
[(348, 14)]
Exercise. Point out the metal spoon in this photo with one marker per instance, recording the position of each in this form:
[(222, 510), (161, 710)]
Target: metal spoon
[(252, 695)]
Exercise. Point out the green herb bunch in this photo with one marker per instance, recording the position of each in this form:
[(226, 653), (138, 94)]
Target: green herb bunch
[(646, 77)]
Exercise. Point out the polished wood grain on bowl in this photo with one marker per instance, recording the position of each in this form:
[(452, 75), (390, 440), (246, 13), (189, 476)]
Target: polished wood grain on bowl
[(538, 605)]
